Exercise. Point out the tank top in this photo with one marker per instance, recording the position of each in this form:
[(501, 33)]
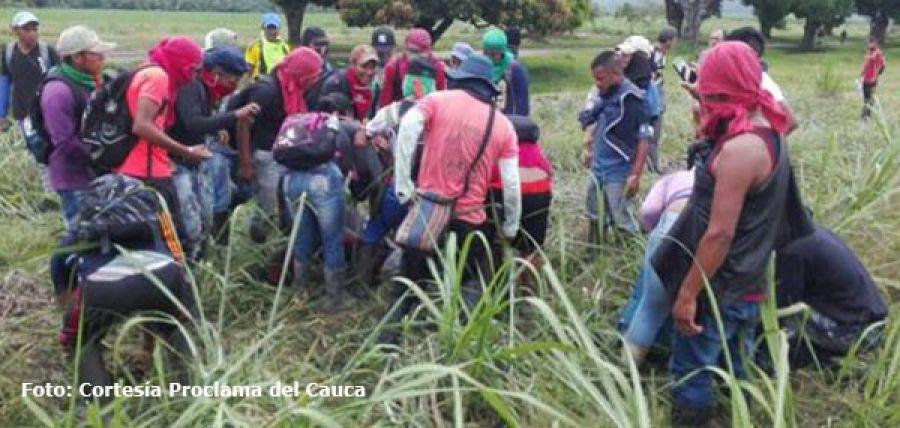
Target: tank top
[(772, 216)]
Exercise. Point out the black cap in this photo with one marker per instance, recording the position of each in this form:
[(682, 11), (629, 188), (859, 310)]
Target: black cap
[(526, 128), (383, 37), (311, 34)]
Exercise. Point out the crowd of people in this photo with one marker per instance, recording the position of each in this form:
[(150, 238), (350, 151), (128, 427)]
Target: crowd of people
[(430, 147)]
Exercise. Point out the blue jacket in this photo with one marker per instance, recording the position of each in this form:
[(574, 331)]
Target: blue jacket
[(621, 120), (517, 98)]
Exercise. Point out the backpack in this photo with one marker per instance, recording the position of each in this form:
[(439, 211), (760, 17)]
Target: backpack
[(306, 140), (106, 123), (120, 210), (37, 140), (43, 49)]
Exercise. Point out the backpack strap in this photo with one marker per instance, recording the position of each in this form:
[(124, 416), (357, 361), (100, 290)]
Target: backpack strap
[(484, 142), (44, 51), (263, 68), (10, 50)]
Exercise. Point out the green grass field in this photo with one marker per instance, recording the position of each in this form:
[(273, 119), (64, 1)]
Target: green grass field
[(545, 360)]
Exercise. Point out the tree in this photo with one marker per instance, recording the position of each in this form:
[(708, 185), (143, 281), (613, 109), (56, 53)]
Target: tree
[(536, 17), (770, 13), (819, 14), (632, 15), (687, 16), (880, 13), (293, 12)]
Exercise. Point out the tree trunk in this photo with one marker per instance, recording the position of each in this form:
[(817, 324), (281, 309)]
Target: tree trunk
[(808, 42), (878, 27), (693, 18), (293, 12), (438, 31), (766, 29), (674, 15)]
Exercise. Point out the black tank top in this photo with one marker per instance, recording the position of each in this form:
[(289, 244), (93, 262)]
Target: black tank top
[(771, 217)]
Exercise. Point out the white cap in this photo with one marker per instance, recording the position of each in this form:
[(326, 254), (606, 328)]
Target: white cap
[(23, 18), (219, 37), (81, 39), (635, 44)]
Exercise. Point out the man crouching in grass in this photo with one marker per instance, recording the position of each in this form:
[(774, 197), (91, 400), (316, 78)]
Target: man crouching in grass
[(744, 205), (617, 128)]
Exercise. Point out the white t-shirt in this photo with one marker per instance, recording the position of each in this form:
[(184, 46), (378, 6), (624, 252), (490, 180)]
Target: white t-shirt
[(769, 85)]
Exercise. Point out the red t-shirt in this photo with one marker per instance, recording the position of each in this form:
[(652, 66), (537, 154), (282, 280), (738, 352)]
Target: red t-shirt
[(872, 68), (455, 124), (151, 83)]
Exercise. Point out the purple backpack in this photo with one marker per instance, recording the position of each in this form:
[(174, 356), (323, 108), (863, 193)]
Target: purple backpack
[(306, 140)]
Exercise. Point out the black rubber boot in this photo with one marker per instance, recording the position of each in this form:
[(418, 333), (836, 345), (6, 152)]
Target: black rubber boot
[(336, 297)]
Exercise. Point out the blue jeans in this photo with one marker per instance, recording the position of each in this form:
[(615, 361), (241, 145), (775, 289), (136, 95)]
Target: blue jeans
[(195, 204), (618, 210), (226, 189), (389, 216), (690, 353), (323, 213), (69, 201), (266, 179), (648, 308)]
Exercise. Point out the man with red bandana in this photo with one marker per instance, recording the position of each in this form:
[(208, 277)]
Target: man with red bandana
[(196, 125), (355, 81), (417, 44), (278, 96), (151, 95), (745, 204)]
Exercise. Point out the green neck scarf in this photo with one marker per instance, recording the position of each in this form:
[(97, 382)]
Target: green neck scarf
[(81, 79), (272, 52), (500, 69), (495, 40)]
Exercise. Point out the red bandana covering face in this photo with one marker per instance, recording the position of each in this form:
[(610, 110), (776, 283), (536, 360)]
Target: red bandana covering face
[(179, 57), (214, 87), (730, 91), (297, 72), (360, 94)]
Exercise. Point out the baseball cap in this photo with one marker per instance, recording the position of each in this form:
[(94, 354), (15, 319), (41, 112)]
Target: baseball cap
[(271, 20), (219, 37), (383, 39), (229, 58), (362, 54), (81, 39), (23, 18)]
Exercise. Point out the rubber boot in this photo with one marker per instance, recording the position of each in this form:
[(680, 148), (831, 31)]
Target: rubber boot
[(636, 352), (336, 297), (299, 271), (366, 254)]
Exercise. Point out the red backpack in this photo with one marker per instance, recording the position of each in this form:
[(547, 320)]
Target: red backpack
[(306, 140)]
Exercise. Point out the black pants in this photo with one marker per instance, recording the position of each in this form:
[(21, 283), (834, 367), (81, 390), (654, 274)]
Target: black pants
[(414, 266), (868, 99)]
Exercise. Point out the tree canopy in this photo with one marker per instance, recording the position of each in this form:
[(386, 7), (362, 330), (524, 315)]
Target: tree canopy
[(819, 14), (771, 13), (535, 17)]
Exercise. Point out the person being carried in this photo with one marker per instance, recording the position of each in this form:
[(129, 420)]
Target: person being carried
[(617, 131), (873, 67), (417, 43), (151, 96), (381, 131), (63, 99), (264, 54), (197, 125), (464, 137), (508, 74), (823, 273), (745, 205), (355, 81)]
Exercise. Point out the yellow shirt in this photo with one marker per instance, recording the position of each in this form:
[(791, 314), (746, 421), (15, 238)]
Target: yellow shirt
[(258, 64)]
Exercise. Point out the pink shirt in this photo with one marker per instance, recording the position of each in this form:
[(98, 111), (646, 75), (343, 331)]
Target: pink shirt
[(668, 189), (454, 127), (151, 83)]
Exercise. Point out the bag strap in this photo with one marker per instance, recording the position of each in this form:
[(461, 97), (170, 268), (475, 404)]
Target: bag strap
[(484, 142)]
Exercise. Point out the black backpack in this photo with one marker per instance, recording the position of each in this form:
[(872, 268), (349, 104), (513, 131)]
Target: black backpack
[(107, 122), (37, 140), (120, 210)]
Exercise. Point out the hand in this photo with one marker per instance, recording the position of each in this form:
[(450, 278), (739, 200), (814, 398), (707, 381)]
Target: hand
[(510, 230), (684, 313), (587, 157), (224, 138), (247, 112), (197, 154), (245, 171), (632, 185), (380, 142)]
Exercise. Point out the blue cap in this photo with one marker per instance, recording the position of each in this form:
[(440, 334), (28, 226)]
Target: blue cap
[(475, 67), (229, 58), (271, 19), (461, 50)]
